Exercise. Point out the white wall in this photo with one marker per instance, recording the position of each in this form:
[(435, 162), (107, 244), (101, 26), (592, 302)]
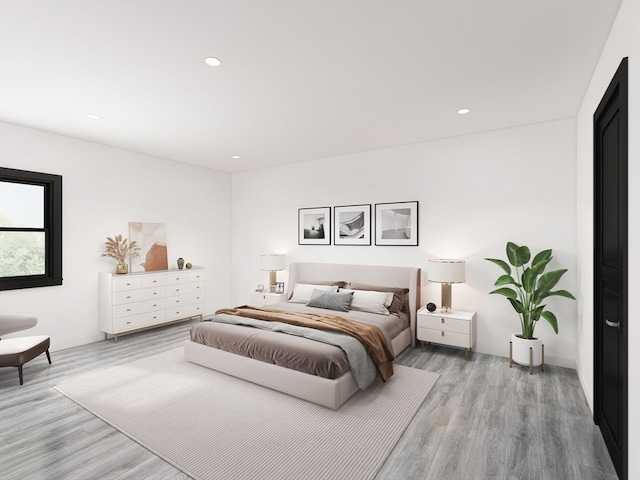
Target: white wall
[(103, 189), (624, 41), (476, 193)]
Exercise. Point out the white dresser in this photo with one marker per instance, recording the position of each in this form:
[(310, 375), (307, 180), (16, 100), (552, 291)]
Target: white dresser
[(137, 301)]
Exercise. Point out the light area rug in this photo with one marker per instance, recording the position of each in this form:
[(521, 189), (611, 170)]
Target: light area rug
[(214, 426)]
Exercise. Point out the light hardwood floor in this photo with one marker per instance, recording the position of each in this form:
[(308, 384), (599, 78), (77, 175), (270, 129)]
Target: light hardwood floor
[(482, 420)]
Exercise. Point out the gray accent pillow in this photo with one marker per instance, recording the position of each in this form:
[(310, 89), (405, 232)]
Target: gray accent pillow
[(330, 300)]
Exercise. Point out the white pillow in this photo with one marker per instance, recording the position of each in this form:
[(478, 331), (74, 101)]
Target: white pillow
[(302, 291), (370, 301)]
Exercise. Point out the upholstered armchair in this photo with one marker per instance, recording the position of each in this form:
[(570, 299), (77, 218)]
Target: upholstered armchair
[(15, 352)]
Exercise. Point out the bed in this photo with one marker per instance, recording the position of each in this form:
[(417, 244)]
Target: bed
[(329, 390)]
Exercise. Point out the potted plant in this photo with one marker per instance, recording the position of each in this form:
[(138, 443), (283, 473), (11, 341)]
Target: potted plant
[(120, 249), (526, 289)]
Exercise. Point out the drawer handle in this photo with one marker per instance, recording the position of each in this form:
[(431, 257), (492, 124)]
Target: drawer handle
[(442, 334), (128, 284), (128, 323), (155, 293), (128, 296), (128, 309), (442, 320), (155, 304), (177, 301)]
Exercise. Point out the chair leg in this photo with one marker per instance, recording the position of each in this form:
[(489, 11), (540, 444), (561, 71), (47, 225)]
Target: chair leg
[(20, 373), (48, 356)]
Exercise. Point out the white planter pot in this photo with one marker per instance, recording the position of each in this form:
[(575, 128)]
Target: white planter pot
[(527, 352)]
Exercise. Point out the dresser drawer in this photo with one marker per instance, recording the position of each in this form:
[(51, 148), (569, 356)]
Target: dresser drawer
[(131, 296), (126, 283), (133, 322), (181, 311), (136, 308), (196, 276), (177, 278), (443, 323), (446, 338), (183, 289), (184, 299), (149, 281)]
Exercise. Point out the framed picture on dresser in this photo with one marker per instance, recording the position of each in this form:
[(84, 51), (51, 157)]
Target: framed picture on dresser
[(314, 226), (397, 223)]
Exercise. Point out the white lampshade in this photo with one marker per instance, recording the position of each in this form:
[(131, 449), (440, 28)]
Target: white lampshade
[(271, 262), (444, 270)]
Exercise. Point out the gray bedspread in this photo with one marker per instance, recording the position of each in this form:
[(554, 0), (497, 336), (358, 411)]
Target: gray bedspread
[(361, 365)]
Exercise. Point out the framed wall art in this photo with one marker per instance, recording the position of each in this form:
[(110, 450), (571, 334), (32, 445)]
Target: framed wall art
[(314, 226), (397, 223), (152, 239), (352, 225)]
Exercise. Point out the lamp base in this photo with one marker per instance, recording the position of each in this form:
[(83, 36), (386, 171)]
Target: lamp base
[(446, 298), (272, 281)]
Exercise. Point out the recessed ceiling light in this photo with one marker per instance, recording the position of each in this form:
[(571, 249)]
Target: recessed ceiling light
[(463, 111), (236, 156), (213, 61), (93, 116)]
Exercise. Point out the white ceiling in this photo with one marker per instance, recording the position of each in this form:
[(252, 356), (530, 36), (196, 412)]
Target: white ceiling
[(300, 79)]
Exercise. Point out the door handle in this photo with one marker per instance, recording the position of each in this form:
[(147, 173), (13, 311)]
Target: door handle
[(612, 324)]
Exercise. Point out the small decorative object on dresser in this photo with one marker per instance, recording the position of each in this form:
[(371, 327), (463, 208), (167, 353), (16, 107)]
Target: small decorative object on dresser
[(431, 307), (526, 290), (189, 266), (454, 328), (180, 263), (120, 249)]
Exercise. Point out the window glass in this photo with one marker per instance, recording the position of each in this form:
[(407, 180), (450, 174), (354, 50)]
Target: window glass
[(21, 205), (22, 253)]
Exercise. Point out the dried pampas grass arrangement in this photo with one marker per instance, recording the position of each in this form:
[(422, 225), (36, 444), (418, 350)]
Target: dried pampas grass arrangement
[(119, 248)]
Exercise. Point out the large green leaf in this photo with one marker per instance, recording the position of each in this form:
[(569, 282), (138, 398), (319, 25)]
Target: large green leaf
[(517, 255), (506, 280), (557, 293), (517, 305), (529, 277), (551, 318), (502, 264), (549, 279), (507, 292), (535, 315), (540, 261)]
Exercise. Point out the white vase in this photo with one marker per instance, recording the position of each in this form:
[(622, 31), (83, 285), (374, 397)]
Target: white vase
[(527, 352)]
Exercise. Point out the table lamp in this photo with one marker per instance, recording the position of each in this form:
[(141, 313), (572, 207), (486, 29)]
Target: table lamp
[(271, 262), (446, 272)]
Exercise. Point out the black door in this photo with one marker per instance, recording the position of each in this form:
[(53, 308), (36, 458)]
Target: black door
[(610, 239)]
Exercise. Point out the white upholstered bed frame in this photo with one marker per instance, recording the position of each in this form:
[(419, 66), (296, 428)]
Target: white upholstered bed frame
[(327, 392)]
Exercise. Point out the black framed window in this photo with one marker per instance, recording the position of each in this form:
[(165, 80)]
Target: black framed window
[(30, 229)]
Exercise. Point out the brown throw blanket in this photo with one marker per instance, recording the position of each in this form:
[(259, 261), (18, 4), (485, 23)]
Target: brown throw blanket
[(370, 336)]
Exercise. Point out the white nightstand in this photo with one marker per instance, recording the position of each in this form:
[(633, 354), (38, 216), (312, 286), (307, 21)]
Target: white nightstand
[(455, 328), (267, 298)]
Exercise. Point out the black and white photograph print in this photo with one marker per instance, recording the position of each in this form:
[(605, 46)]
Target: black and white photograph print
[(314, 226), (352, 225), (397, 223)]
